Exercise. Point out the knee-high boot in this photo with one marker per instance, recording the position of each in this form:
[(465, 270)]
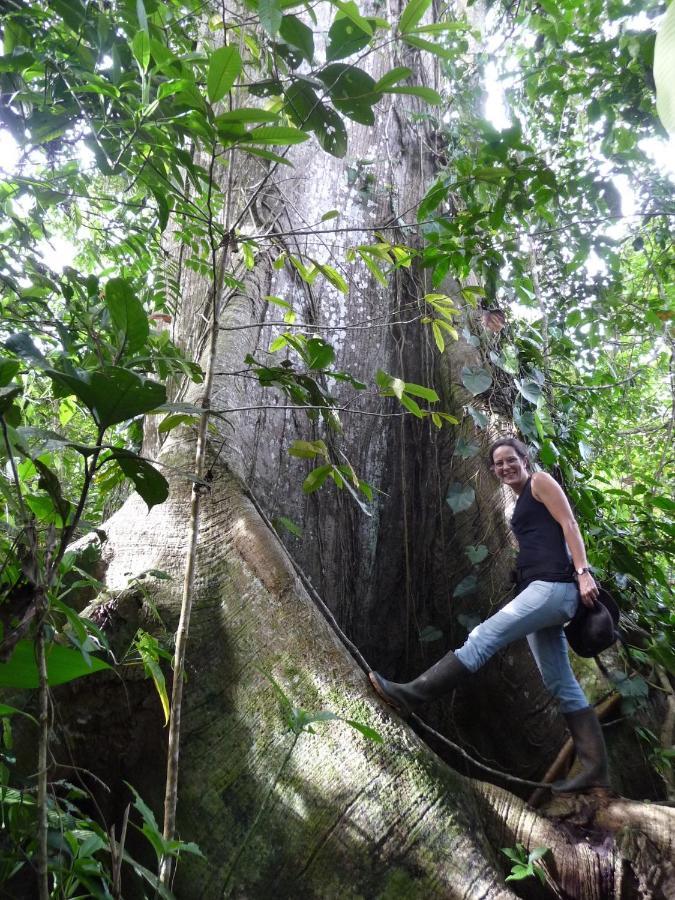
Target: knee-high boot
[(442, 677), (590, 751)]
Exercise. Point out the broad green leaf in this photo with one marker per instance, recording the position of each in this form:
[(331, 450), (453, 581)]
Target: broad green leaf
[(8, 395), (171, 422), (246, 114), (299, 35), (288, 524), (366, 731), (430, 633), (265, 154), (63, 665), (468, 585), (320, 354), (112, 394), (442, 27), (345, 38), (148, 481), (392, 77), (126, 314), (429, 47), (412, 14), (529, 389), (279, 135), (438, 336), (8, 370), (476, 379), (270, 15), (316, 478), (224, 69), (140, 47), (432, 199), (411, 406), (351, 10), (664, 70), (419, 390), (478, 416), (476, 553), (466, 449), (426, 93), (460, 497), (308, 449)]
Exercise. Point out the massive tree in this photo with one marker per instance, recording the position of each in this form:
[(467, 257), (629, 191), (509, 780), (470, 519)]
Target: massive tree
[(283, 782)]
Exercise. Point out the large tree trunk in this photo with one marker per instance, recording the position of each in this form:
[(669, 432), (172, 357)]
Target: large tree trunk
[(330, 814), (333, 814)]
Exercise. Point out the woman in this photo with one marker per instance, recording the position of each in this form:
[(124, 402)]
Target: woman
[(549, 586)]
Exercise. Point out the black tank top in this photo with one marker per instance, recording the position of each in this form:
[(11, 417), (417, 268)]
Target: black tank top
[(543, 552)]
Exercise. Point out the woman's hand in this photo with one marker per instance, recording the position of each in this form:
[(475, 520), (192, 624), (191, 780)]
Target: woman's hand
[(588, 589)]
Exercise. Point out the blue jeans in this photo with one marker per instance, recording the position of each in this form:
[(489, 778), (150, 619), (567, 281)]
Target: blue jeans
[(538, 613)]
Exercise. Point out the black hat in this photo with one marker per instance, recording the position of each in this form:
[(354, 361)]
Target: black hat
[(594, 629)]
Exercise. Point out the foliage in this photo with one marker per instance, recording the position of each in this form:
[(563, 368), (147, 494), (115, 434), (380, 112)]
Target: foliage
[(525, 865), (129, 117)]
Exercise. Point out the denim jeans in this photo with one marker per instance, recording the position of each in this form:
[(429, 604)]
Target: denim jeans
[(538, 613)]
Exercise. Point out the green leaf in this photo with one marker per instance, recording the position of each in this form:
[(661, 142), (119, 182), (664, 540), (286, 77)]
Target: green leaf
[(430, 633), (8, 370), (419, 390), (171, 422), (412, 14), (466, 449), (288, 524), (149, 483), (476, 379), (316, 478), (392, 77), (50, 483), (466, 586), (299, 35), (246, 114), (529, 389), (127, 315), (438, 336), (664, 70), (140, 47), (429, 47), (411, 406), (351, 10), (366, 731), (224, 69), (426, 93), (319, 353), (460, 497), (270, 15), (63, 665), (112, 394), (279, 135), (8, 395), (476, 553), (308, 449), (345, 38), (478, 416)]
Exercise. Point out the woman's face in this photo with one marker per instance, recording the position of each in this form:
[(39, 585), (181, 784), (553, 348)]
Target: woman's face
[(509, 467)]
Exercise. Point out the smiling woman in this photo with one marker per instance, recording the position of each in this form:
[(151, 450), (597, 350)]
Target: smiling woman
[(549, 587)]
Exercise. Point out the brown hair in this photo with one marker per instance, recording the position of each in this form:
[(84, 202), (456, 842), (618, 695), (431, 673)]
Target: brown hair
[(517, 445)]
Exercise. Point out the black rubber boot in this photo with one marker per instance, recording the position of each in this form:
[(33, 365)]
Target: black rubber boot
[(442, 677), (590, 751)]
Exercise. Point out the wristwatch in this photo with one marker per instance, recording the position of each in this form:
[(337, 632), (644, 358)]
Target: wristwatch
[(583, 569)]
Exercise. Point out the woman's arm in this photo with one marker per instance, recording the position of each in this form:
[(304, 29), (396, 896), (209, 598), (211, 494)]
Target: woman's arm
[(548, 491)]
